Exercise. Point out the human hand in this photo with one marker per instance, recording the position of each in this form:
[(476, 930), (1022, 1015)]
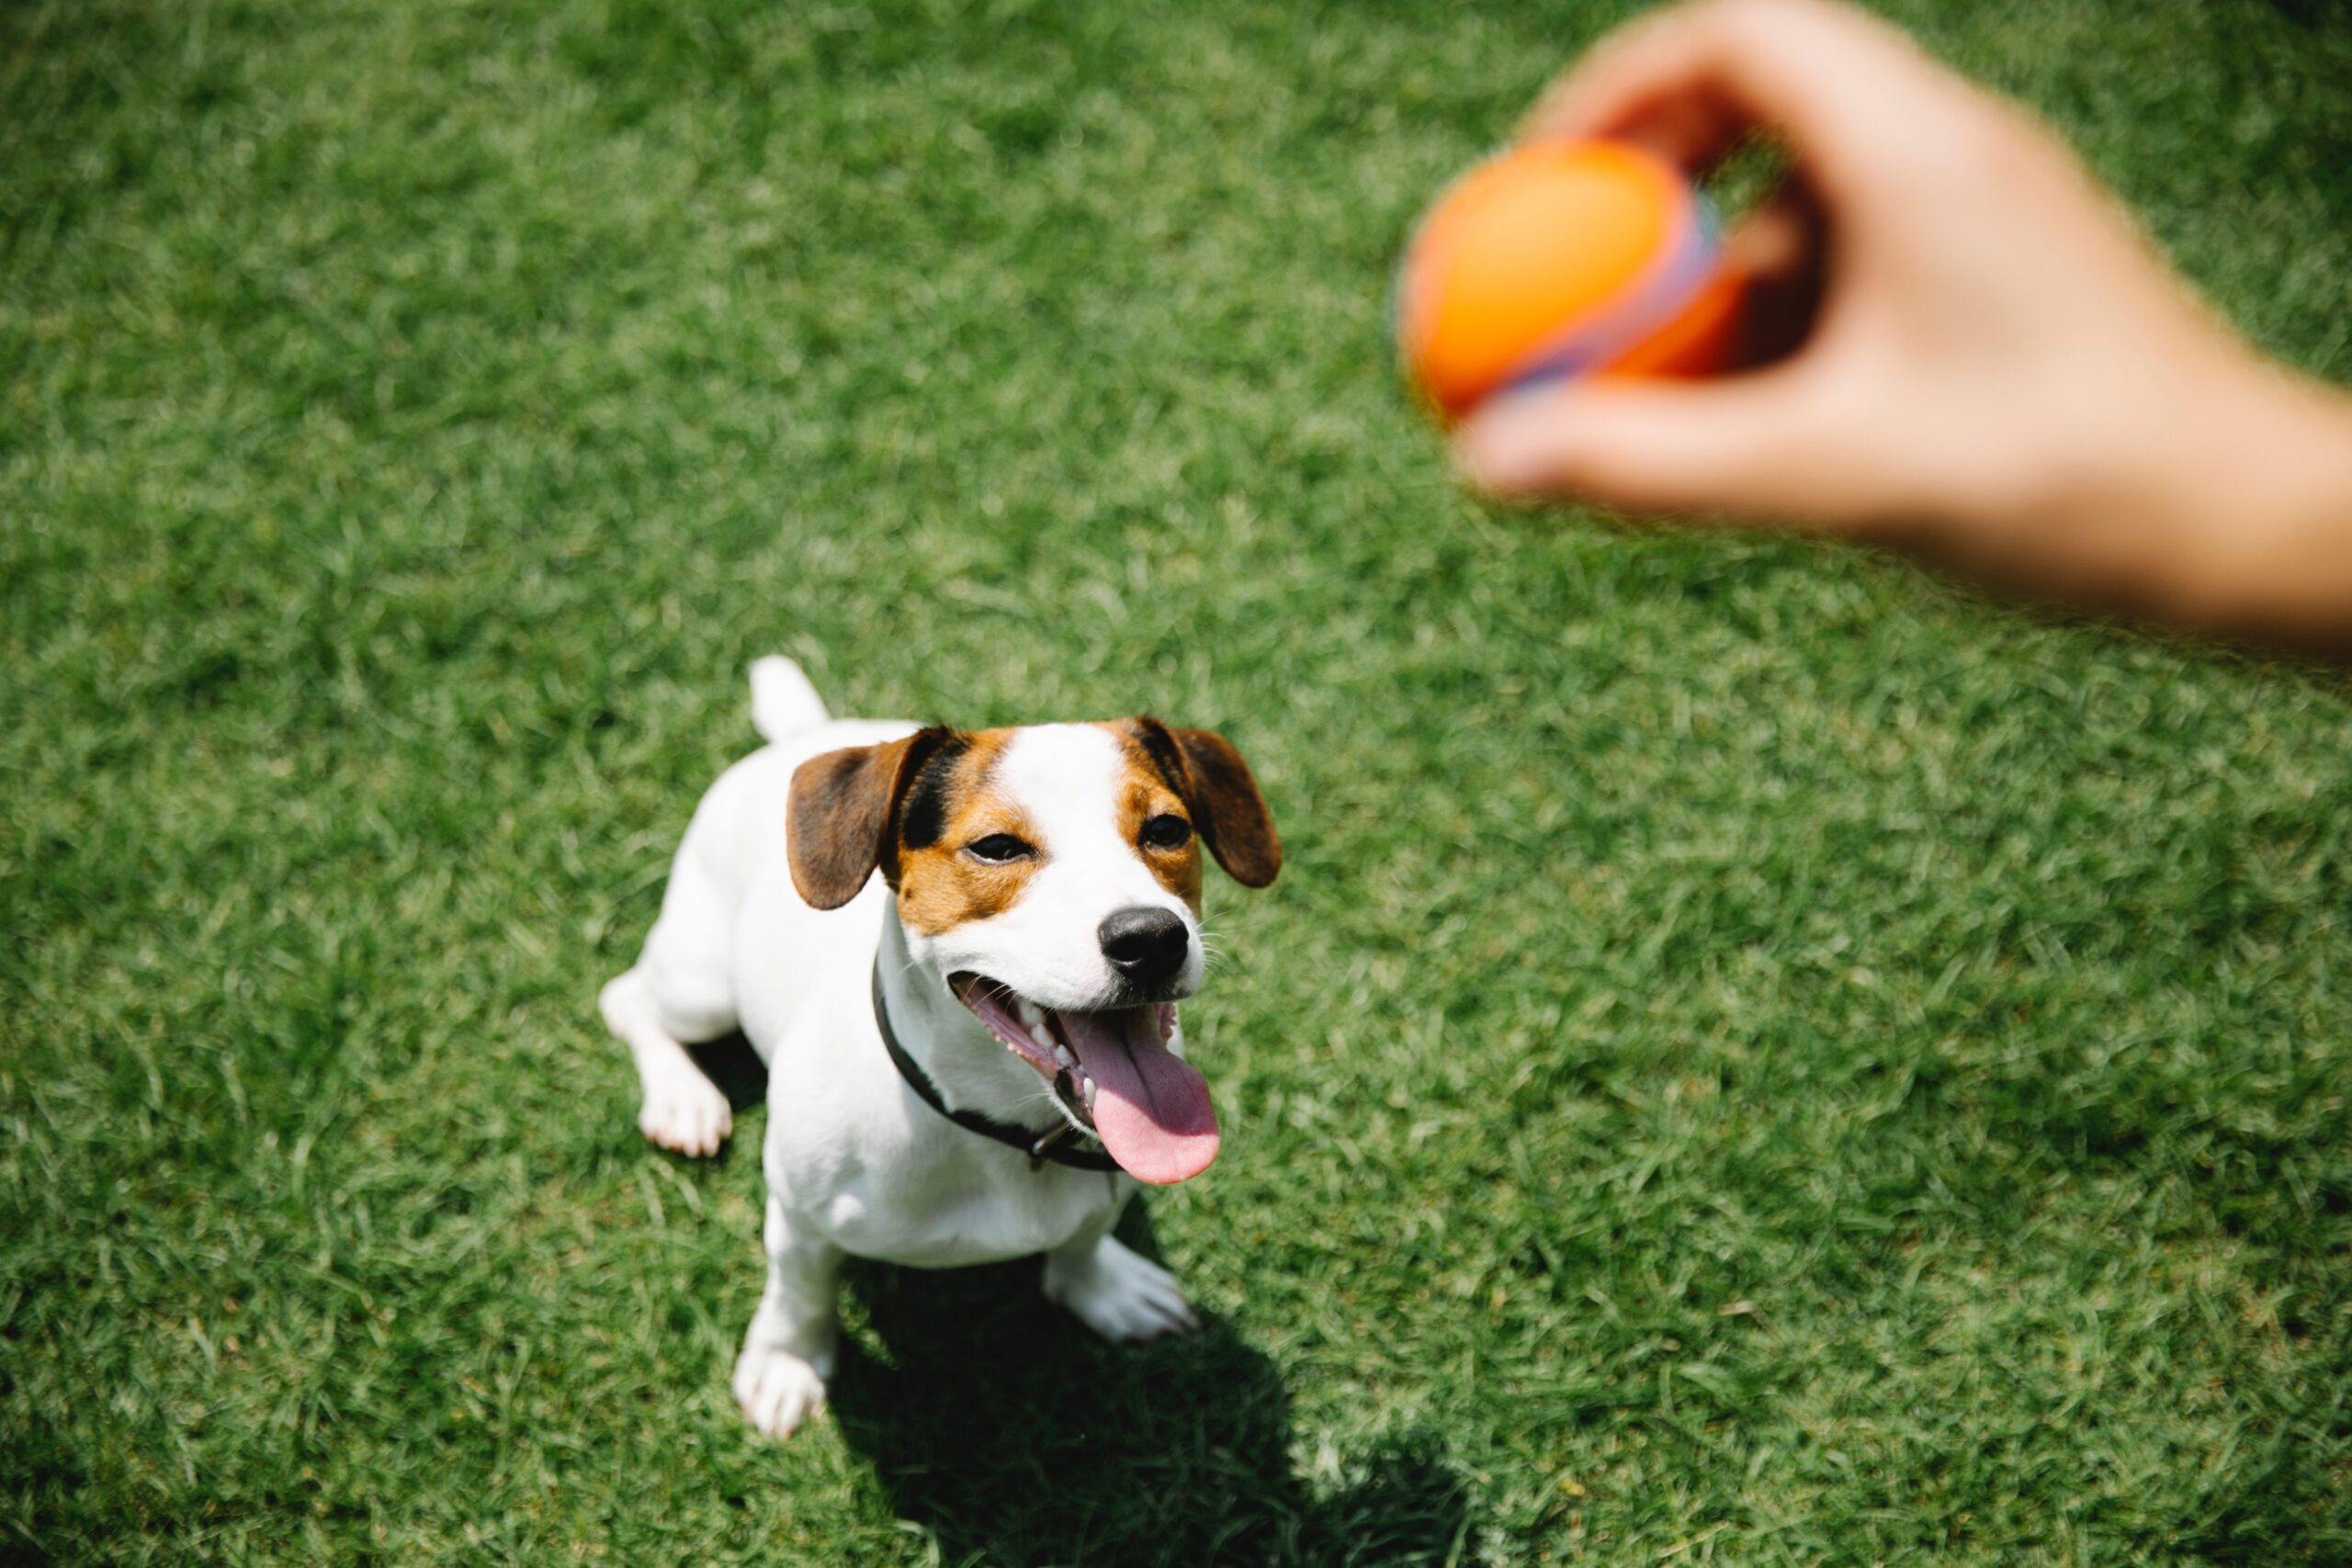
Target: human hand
[(1988, 359)]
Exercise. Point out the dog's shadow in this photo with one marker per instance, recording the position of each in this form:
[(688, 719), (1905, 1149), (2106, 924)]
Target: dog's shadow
[(1003, 1427), (1013, 1435), (731, 1064)]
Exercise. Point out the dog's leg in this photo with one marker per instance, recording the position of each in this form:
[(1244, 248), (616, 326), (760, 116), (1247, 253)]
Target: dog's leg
[(1117, 1291), (683, 1110), (788, 1352), (680, 991)]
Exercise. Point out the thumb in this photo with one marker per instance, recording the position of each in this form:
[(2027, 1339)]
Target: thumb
[(1748, 448)]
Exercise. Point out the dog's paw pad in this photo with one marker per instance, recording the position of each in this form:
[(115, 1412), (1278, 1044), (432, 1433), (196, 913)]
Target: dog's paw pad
[(688, 1117), (1121, 1295), (777, 1390)]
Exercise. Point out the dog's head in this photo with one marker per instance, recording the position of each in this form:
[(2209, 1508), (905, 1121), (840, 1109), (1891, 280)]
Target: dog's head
[(1050, 878)]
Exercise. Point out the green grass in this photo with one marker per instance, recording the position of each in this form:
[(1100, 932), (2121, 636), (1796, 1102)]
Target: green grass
[(1757, 1056)]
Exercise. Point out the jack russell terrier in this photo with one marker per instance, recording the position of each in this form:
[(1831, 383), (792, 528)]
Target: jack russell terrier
[(959, 954)]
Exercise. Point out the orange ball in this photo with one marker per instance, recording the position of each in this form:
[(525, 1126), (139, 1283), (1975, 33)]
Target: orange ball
[(1557, 259)]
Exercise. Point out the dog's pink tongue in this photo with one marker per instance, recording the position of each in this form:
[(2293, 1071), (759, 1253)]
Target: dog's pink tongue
[(1151, 1107)]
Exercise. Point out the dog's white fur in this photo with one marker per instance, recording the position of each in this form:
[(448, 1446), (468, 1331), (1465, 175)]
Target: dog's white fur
[(855, 1164)]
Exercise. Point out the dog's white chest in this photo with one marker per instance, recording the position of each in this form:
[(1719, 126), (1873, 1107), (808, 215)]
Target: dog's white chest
[(948, 1220), (880, 1173)]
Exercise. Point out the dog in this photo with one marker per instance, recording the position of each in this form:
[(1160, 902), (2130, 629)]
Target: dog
[(959, 955)]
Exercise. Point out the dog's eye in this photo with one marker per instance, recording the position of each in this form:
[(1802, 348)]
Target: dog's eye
[(1166, 831), (999, 849)]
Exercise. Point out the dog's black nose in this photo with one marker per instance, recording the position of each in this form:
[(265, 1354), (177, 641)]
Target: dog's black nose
[(1147, 946)]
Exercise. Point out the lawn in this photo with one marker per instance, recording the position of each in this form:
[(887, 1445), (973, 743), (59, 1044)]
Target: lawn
[(1757, 1056)]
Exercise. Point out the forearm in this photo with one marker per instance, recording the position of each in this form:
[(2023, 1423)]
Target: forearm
[(2278, 498), (2257, 496), (2219, 502)]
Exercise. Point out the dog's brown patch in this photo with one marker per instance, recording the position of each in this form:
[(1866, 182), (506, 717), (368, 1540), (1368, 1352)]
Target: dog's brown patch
[(1220, 794), (843, 811), (953, 804), (914, 807), (1146, 793)]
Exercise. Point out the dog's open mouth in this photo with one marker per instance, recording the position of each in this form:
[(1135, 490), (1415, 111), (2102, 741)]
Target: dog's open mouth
[(1113, 1073)]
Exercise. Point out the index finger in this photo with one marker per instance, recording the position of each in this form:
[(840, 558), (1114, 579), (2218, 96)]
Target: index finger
[(1688, 82)]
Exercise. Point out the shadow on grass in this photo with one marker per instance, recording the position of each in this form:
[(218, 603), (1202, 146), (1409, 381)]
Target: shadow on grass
[(1010, 1433), (1006, 1430), (731, 1064)]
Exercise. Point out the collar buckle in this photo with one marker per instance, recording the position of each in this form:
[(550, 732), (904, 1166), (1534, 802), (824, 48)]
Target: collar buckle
[(1047, 1141), (1042, 1149)]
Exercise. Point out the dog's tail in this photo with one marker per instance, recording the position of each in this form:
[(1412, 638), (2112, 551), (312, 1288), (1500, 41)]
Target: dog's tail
[(782, 702)]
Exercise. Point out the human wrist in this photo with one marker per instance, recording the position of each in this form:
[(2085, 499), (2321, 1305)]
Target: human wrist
[(2259, 495), (2201, 486)]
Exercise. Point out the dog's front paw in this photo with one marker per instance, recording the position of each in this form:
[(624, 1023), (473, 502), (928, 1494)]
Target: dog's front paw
[(777, 1390), (686, 1115), (1121, 1295)]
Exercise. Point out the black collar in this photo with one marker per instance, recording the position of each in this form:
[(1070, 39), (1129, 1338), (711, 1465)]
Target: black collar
[(1052, 1144)]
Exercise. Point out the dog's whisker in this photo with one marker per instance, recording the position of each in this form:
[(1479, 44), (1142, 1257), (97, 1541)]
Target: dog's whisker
[(1053, 1102)]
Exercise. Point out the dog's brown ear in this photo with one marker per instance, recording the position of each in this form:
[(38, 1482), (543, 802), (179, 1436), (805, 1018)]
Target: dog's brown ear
[(1217, 784), (841, 815)]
